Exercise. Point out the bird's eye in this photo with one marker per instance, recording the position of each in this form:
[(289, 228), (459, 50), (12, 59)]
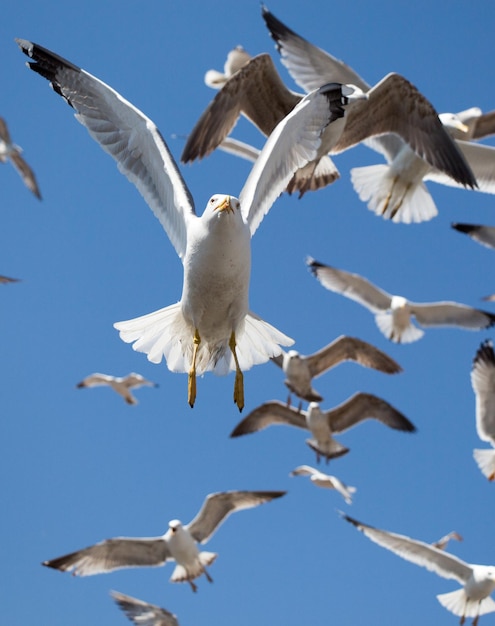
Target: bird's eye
[(212, 200)]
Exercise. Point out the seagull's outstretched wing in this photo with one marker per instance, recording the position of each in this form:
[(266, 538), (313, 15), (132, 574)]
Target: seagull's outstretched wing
[(482, 234), (240, 149), (483, 382), (438, 561), (113, 554), (218, 506), (130, 137), (268, 414), (362, 406), (451, 314), (143, 613)]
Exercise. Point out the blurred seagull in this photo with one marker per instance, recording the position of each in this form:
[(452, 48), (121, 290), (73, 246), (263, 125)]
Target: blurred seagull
[(442, 543), (478, 581), (143, 613), (178, 544), (483, 382), (324, 424), (393, 313), (5, 280), (9, 150), (484, 235), (211, 327), (300, 369), (236, 59), (325, 480), (122, 385)]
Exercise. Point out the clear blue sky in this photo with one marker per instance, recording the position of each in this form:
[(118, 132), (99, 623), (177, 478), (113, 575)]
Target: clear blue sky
[(79, 466)]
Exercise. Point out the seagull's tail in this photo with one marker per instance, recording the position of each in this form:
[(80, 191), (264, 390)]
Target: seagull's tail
[(330, 449), (486, 462), (385, 323), (458, 603), (392, 198), (311, 177), (185, 574)]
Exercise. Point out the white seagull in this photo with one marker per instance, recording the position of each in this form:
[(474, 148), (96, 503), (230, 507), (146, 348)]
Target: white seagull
[(236, 59), (483, 382), (9, 150), (325, 480), (121, 384), (324, 424), (393, 314), (478, 581), (178, 544), (143, 613), (211, 327), (300, 369)]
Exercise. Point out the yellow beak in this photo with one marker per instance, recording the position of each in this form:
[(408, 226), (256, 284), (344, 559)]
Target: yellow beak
[(225, 205)]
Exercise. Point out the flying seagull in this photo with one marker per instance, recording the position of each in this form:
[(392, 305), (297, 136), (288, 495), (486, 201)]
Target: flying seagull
[(178, 544), (143, 613), (324, 424), (484, 235), (483, 382), (5, 280), (236, 59), (300, 369), (121, 384), (442, 543), (478, 581), (396, 190), (9, 150), (393, 313), (325, 480), (211, 327)]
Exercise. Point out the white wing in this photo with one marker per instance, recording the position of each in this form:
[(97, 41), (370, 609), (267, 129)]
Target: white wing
[(483, 382), (240, 149)]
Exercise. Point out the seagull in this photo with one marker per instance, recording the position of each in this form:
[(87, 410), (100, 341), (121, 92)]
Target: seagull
[(300, 369), (393, 313), (236, 59), (396, 190), (483, 383), (211, 327), (122, 385), (393, 105), (5, 280), (325, 480), (143, 613), (484, 235), (441, 544), (9, 150), (178, 544), (324, 424), (478, 581)]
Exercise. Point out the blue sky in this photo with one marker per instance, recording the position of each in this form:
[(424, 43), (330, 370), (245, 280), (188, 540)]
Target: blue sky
[(79, 466)]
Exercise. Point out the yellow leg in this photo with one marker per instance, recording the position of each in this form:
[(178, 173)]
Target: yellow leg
[(191, 381), (239, 377)]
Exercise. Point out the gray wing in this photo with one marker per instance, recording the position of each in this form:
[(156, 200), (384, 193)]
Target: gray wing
[(308, 65), (256, 91), (268, 414), (349, 348), (113, 554), (482, 234), (240, 149), (143, 613), (483, 382), (125, 133), (394, 105), (5, 279), (25, 172), (218, 506), (481, 125), (423, 554), (4, 131), (451, 314), (350, 285), (363, 406)]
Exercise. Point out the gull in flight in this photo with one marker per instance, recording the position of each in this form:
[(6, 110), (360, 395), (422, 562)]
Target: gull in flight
[(393, 105), (121, 384), (9, 150), (211, 327), (178, 544), (236, 59), (483, 383), (396, 190), (478, 581), (325, 480), (143, 613), (393, 313), (5, 280), (442, 543), (300, 369), (324, 424)]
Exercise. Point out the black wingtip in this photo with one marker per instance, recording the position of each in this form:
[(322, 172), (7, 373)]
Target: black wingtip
[(463, 228), (313, 264), (278, 30), (485, 353)]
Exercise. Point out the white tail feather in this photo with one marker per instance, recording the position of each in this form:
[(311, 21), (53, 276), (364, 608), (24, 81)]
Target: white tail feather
[(385, 323), (182, 574), (328, 449), (486, 462), (457, 603)]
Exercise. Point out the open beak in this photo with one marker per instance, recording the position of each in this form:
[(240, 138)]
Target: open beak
[(225, 205)]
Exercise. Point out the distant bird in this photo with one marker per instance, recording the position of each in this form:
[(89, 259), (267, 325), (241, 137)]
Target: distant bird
[(324, 424), (211, 327), (300, 369), (393, 313), (325, 480), (4, 280), (143, 613), (9, 150), (236, 59), (442, 543), (478, 581), (484, 235), (483, 382), (178, 544), (122, 385), (396, 190)]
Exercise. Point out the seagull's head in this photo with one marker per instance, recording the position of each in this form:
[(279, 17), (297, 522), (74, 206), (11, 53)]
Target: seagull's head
[(174, 526), (398, 302), (352, 93), (453, 124), (223, 203)]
